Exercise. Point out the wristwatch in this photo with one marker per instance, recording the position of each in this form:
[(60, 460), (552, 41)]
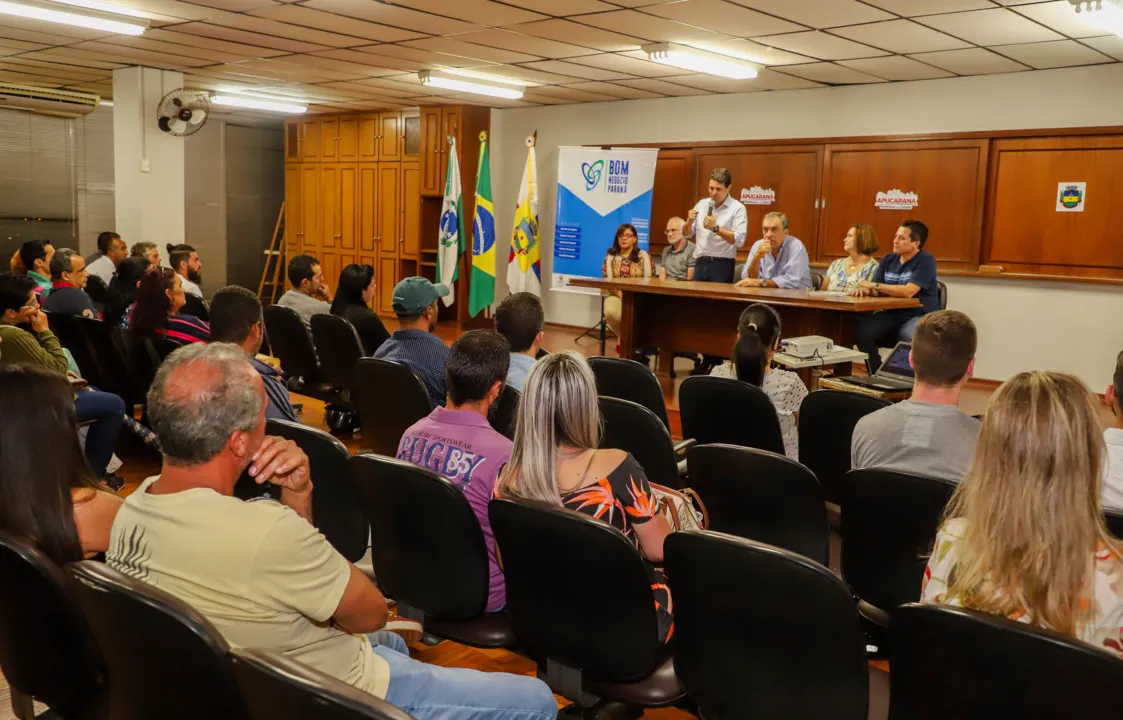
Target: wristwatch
[(877, 286), (764, 282)]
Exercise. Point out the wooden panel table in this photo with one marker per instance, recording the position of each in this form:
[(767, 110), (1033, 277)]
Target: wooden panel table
[(678, 315)]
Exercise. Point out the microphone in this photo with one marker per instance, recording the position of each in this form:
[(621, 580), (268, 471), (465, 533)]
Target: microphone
[(711, 210)]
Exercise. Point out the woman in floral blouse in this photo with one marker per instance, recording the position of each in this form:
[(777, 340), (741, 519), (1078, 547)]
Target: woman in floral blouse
[(1025, 536), (624, 260), (859, 264), (555, 460)]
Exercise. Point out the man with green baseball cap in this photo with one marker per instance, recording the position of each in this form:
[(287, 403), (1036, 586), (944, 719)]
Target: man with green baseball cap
[(413, 344)]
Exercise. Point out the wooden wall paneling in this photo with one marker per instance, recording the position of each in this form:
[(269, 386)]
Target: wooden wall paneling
[(329, 139), (432, 182), (389, 136), (793, 172), (368, 137), (411, 210), (948, 176), (387, 278), (348, 207), (310, 213), (368, 208), (672, 195), (292, 140), (310, 140), (294, 205), (330, 216), (349, 138)]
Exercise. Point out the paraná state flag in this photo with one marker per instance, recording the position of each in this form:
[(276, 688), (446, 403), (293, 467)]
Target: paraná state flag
[(451, 239)]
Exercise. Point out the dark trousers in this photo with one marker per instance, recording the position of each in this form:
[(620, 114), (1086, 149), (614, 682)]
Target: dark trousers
[(713, 269), (108, 413), (878, 330)]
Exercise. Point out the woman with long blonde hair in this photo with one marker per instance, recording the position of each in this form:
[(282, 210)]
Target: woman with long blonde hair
[(556, 461), (1024, 535)]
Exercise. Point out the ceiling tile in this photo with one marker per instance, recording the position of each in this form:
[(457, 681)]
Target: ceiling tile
[(35, 80), (474, 99), (634, 63), (366, 68), (901, 36), (450, 46), (714, 84), (575, 34), (527, 74), (18, 27), (193, 51), (974, 61), (896, 67), (819, 13), (11, 33), (640, 3), (307, 17), (912, 8), (821, 45), (361, 86), (293, 67), (166, 59), (561, 9), (408, 84), (9, 48), (652, 28), (79, 56), (493, 13), (990, 27), (573, 70), (1061, 53), (266, 26), (563, 92), (543, 100), (70, 70), (247, 38), (82, 58), (754, 52), (831, 74), (723, 17), (416, 58), (524, 43), (236, 5), (169, 9), (663, 87), (401, 17), (617, 91), (179, 38), (8, 71), (1062, 17), (1111, 45)]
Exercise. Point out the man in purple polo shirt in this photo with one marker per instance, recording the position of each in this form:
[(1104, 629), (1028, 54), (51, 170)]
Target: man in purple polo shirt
[(456, 440)]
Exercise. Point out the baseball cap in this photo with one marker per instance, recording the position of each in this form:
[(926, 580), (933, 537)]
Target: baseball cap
[(414, 294)]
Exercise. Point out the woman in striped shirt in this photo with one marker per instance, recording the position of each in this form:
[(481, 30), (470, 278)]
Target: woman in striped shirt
[(159, 299)]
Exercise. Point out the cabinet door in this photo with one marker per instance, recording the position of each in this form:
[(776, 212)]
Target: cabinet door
[(329, 207), (310, 211), (329, 139), (293, 208), (310, 133), (411, 210), (411, 136), (330, 266), (450, 125), (368, 138), (389, 212), (348, 211), (432, 182), (389, 136), (348, 139), (368, 208), (292, 140), (386, 279)]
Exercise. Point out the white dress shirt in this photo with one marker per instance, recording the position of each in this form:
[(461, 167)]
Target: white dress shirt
[(103, 267), (1113, 470), (791, 270), (190, 287), (729, 215)]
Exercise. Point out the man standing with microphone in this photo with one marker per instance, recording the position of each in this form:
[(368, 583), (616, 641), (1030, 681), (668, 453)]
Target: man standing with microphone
[(723, 228)]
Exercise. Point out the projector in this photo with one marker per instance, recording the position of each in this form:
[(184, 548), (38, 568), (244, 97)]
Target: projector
[(808, 346)]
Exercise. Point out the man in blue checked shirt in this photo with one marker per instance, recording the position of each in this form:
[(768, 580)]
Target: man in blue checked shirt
[(413, 344), (777, 260)]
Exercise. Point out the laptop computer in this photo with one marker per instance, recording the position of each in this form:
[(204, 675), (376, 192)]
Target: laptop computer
[(895, 374)]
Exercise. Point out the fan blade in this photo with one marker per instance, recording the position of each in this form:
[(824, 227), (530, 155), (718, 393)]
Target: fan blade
[(197, 117), (177, 125)]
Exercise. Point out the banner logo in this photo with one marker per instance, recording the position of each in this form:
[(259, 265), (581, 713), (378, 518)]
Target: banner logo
[(756, 195), (592, 173), (617, 176), (1071, 196), (450, 227), (896, 200)]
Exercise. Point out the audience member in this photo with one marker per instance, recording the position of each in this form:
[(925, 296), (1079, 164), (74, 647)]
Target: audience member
[(51, 498), (555, 461), (623, 260), (352, 303), (677, 261), (1113, 439), (111, 250), (927, 434), (845, 273), (1024, 535), (122, 290), (35, 257), (758, 341), (778, 259), (159, 299), (413, 344), (68, 292), (236, 318), (520, 319), (457, 441), (41, 348), (185, 261), (146, 250), (906, 272), (309, 295), (259, 571)]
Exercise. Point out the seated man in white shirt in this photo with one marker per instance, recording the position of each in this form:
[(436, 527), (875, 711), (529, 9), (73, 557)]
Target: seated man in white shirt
[(111, 250), (1112, 497), (520, 318)]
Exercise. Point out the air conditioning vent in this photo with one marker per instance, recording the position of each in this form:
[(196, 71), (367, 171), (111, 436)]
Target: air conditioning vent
[(47, 101)]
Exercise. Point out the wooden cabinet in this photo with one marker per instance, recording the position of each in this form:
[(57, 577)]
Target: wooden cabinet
[(410, 203), (368, 204), (411, 136), (329, 207), (310, 140), (388, 214), (368, 138), (348, 139), (294, 225), (292, 141), (348, 208), (431, 143), (310, 208), (329, 139), (389, 136)]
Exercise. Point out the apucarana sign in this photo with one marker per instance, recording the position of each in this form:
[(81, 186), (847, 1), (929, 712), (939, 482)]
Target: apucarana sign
[(756, 195), (896, 200)]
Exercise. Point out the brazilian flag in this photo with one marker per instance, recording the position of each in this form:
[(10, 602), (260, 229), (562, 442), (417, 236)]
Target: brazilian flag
[(481, 287)]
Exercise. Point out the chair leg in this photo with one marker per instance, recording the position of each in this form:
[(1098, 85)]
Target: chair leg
[(23, 706)]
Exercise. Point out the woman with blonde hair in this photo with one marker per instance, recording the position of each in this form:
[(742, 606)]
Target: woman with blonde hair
[(859, 264), (556, 461), (1024, 535)]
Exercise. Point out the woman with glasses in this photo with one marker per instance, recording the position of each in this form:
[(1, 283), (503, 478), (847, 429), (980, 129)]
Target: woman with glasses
[(624, 260)]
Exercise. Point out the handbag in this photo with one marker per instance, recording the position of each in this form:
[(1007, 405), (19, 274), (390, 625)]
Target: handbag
[(683, 509)]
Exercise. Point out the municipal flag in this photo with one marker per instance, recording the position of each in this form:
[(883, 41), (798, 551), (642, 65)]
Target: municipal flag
[(451, 240), (524, 272), (481, 288)]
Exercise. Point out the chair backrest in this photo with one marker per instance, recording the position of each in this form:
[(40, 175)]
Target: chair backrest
[(826, 428), (1114, 520), (338, 346), (578, 592), (46, 649), (889, 521), (816, 280), (72, 335), (506, 412), (791, 639), (761, 496), (630, 380), (720, 410), (950, 662), (126, 372), (633, 428), (164, 659), (943, 290), (440, 568), (139, 355), (196, 306), (390, 398), (290, 341), (275, 687), (335, 503)]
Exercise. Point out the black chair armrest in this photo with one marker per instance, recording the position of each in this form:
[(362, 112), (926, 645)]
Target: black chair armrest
[(683, 446)]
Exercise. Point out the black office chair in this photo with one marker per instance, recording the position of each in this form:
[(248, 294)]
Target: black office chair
[(276, 687), (943, 289), (630, 380), (720, 410), (579, 598), (164, 659), (196, 306), (761, 496), (826, 428), (954, 663), (390, 398), (1114, 519), (889, 521), (633, 428), (816, 280), (292, 343), (46, 650), (438, 573), (71, 334), (339, 348), (506, 412), (791, 639)]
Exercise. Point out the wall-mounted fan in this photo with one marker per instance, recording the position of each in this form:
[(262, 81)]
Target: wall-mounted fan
[(183, 112)]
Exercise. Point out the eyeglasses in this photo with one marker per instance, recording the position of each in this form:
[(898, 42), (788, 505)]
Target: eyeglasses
[(671, 232)]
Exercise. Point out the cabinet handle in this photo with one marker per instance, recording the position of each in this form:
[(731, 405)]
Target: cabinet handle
[(401, 241)]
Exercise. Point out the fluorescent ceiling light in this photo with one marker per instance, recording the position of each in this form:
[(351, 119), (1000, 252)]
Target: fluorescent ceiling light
[(70, 15), (484, 76), (1106, 14), (105, 103), (436, 79), (260, 95), (700, 61), (256, 104)]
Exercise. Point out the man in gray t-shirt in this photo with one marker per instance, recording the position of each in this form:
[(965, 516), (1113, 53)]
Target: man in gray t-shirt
[(309, 295), (928, 434)]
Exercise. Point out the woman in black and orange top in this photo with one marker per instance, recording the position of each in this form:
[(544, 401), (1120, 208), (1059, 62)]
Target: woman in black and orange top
[(555, 460), (159, 298)]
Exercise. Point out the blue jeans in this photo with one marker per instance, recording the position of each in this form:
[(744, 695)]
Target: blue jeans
[(429, 692), (908, 329), (882, 329), (108, 413)]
